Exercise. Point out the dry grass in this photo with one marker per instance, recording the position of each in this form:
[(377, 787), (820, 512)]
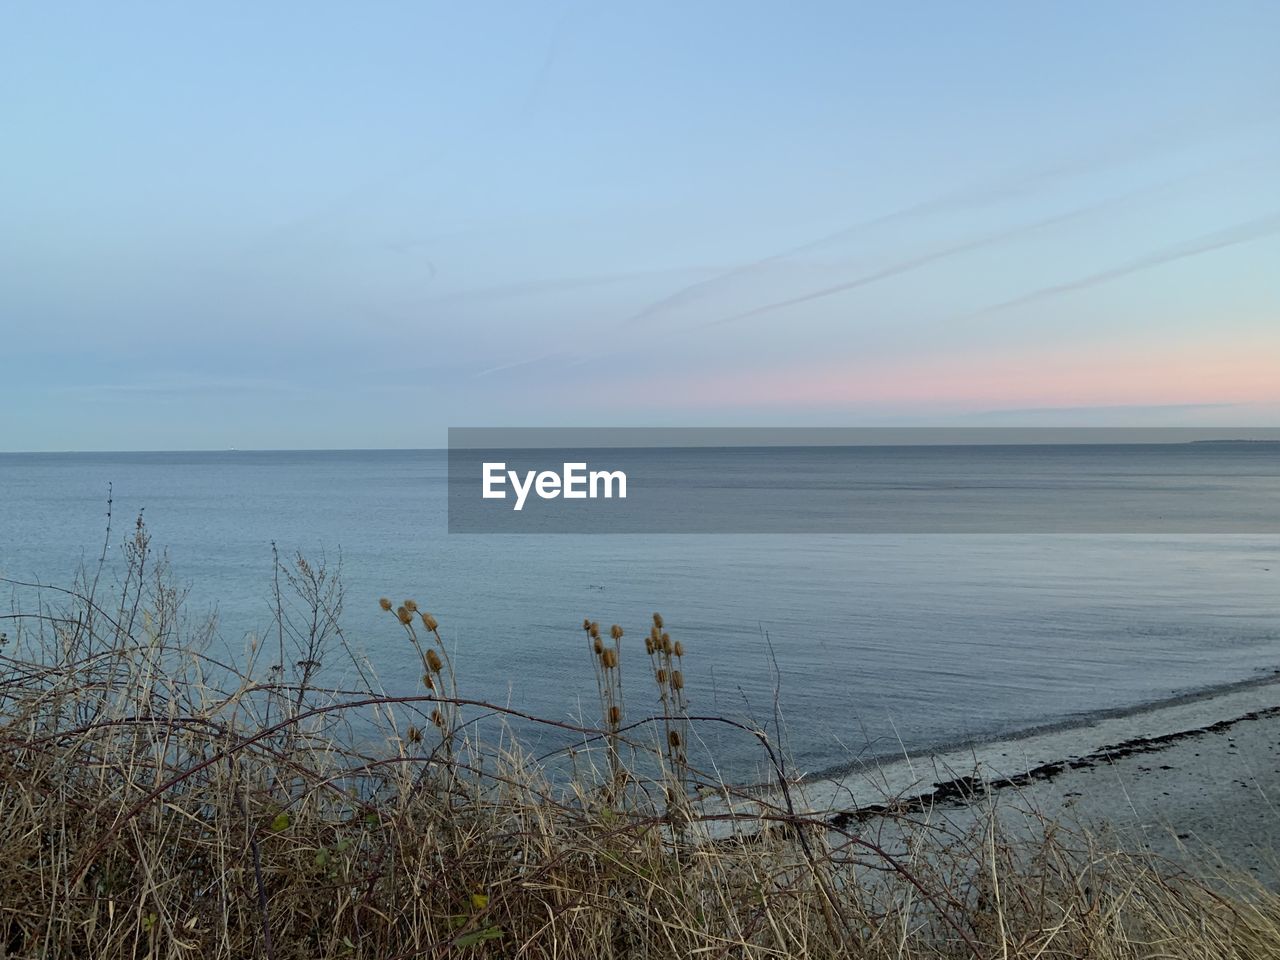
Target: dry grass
[(155, 802)]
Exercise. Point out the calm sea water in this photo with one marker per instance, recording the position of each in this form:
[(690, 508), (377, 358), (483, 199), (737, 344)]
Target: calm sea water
[(881, 642)]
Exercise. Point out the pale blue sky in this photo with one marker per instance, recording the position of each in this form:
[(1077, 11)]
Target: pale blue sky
[(340, 225)]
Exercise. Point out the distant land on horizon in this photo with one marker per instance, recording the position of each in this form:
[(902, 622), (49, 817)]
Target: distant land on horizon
[(1207, 441)]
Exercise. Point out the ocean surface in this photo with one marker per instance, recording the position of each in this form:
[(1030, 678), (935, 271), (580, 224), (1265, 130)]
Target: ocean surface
[(873, 643)]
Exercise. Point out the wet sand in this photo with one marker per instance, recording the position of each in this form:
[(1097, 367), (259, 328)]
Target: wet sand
[(1196, 780), (1208, 797)]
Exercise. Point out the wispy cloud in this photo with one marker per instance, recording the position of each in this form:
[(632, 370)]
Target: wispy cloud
[(1019, 182), (181, 387), (536, 86), (551, 285), (528, 361), (915, 263), (1245, 232)]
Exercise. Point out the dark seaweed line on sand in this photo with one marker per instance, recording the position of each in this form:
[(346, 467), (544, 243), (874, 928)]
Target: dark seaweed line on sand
[(962, 790)]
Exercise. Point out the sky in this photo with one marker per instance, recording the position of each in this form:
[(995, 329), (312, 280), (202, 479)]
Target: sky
[(330, 225)]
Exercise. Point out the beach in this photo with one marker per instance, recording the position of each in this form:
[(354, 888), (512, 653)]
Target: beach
[(177, 826), (1202, 800), (640, 482), (1193, 781)]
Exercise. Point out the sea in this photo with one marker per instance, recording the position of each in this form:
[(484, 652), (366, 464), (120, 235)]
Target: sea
[(848, 648)]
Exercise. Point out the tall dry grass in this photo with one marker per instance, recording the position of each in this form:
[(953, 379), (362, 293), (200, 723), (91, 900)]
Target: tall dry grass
[(158, 801)]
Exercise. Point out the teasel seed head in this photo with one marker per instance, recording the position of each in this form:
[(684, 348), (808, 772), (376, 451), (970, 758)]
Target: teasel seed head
[(404, 615), (598, 646), (414, 735), (657, 620), (615, 716), (666, 643), (586, 624), (648, 645), (433, 661), (677, 680), (616, 632), (678, 649), (411, 606), (384, 603), (609, 658), (673, 738), (430, 622), (428, 682), (437, 718), (594, 629), (662, 675)]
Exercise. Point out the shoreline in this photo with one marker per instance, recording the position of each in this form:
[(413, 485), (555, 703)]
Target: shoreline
[(1050, 729), (1012, 759), (1191, 780), (966, 789)]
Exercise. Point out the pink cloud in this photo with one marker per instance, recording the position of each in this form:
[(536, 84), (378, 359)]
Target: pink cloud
[(1094, 375)]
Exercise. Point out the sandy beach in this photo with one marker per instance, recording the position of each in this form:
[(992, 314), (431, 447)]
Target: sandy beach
[(1195, 780), (1204, 798)]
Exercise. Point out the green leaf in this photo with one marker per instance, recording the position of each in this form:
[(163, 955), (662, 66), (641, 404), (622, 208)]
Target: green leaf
[(322, 858), (479, 900), (479, 936), (281, 822)]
